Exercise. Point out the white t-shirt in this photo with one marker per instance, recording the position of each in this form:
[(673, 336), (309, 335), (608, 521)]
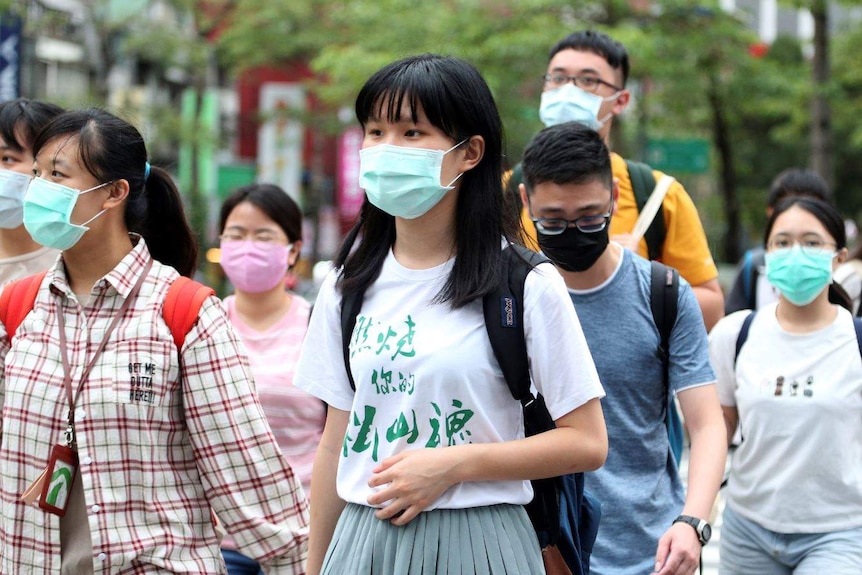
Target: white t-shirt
[(426, 375), (799, 397)]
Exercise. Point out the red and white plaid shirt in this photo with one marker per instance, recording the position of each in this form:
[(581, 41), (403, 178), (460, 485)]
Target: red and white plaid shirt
[(157, 451)]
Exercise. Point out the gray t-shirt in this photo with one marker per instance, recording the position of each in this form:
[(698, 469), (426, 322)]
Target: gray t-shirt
[(639, 485)]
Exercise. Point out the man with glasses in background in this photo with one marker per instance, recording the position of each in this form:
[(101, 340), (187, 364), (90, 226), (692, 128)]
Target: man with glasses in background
[(585, 82), (649, 523)]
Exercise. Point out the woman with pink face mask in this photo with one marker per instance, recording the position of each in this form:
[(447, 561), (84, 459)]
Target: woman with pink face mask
[(261, 231)]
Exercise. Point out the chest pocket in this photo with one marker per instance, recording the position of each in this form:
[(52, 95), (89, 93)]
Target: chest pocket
[(145, 373)]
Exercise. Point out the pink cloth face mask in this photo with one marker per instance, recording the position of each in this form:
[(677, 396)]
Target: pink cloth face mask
[(254, 267)]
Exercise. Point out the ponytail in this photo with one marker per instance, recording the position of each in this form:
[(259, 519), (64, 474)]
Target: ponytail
[(164, 225)]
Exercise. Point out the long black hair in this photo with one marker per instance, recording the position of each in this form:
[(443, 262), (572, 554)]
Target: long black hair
[(455, 99), (112, 149), (834, 224), (22, 118)]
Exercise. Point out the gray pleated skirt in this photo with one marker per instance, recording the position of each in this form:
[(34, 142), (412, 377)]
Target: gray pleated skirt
[(493, 540)]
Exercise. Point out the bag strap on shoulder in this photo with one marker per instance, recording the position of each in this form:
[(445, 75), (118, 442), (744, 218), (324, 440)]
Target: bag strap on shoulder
[(664, 294), (743, 335), (17, 300), (504, 319), (664, 297), (183, 306), (643, 183)]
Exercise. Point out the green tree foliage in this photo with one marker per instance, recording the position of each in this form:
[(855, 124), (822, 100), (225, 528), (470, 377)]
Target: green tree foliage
[(346, 42)]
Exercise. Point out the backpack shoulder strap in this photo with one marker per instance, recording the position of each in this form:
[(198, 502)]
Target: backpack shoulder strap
[(643, 183), (743, 334), (664, 295), (351, 305), (183, 307), (504, 319), (857, 324), (17, 300)]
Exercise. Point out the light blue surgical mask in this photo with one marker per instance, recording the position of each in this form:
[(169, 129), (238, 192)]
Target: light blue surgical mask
[(13, 186), (569, 103), (403, 182), (799, 275), (48, 211)]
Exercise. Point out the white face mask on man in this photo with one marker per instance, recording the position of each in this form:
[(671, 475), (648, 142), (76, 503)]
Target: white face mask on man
[(568, 103)]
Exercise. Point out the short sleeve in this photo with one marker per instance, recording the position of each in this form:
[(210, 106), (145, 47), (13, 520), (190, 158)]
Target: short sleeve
[(321, 370), (685, 245), (722, 354), (689, 347), (560, 361)]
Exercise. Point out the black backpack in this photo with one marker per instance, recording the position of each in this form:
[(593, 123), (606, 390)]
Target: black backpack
[(664, 293), (561, 512), (643, 183)]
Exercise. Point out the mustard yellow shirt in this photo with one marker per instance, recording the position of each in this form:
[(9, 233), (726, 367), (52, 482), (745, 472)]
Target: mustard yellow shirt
[(685, 246)]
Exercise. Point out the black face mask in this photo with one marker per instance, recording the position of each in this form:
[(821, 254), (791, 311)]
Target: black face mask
[(574, 250)]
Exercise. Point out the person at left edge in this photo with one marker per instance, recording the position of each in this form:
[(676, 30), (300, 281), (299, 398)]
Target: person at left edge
[(570, 193), (20, 121), (430, 446), (163, 436)]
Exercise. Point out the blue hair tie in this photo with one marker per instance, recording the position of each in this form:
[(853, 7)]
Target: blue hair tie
[(146, 171)]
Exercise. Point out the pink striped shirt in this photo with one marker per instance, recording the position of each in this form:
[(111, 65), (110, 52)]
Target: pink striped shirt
[(296, 417)]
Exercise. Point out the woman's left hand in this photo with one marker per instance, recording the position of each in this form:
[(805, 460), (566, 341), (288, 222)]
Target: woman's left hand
[(411, 481)]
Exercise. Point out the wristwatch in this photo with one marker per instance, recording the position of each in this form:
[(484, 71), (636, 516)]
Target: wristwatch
[(703, 529)]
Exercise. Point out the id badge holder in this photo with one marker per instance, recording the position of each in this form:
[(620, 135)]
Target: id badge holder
[(59, 478)]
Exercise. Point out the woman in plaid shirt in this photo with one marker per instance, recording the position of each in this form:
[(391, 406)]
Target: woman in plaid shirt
[(161, 436)]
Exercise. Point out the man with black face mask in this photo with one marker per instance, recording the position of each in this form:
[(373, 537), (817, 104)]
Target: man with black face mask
[(649, 522)]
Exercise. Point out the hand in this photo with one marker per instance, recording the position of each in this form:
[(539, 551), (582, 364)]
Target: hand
[(411, 481), (628, 241), (678, 551)]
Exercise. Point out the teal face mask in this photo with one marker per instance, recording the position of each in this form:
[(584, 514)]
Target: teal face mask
[(800, 276), (403, 182), (48, 211)]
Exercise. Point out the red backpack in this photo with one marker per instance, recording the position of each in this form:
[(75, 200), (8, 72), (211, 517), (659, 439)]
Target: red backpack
[(182, 304)]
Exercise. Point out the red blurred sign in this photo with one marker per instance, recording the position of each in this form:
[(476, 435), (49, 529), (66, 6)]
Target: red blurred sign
[(350, 195)]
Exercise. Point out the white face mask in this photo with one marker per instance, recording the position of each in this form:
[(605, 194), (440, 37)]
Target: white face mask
[(571, 104), (13, 186)]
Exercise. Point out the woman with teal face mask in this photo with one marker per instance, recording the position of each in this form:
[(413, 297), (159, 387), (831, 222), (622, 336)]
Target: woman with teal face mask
[(129, 434), (790, 374), (427, 444)]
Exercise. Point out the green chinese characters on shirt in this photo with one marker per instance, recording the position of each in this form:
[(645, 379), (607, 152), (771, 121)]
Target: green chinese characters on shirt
[(388, 343)]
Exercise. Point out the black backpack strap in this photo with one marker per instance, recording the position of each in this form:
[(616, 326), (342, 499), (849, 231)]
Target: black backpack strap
[(643, 184), (664, 295), (504, 322), (351, 304), (504, 319), (743, 335), (857, 324)]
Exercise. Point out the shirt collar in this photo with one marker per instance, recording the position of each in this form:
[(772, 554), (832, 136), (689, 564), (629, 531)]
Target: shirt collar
[(122, 278)]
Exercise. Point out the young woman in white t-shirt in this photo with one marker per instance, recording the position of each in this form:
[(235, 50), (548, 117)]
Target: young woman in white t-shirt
[(261, 238), (794, 497), (424, 468)]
